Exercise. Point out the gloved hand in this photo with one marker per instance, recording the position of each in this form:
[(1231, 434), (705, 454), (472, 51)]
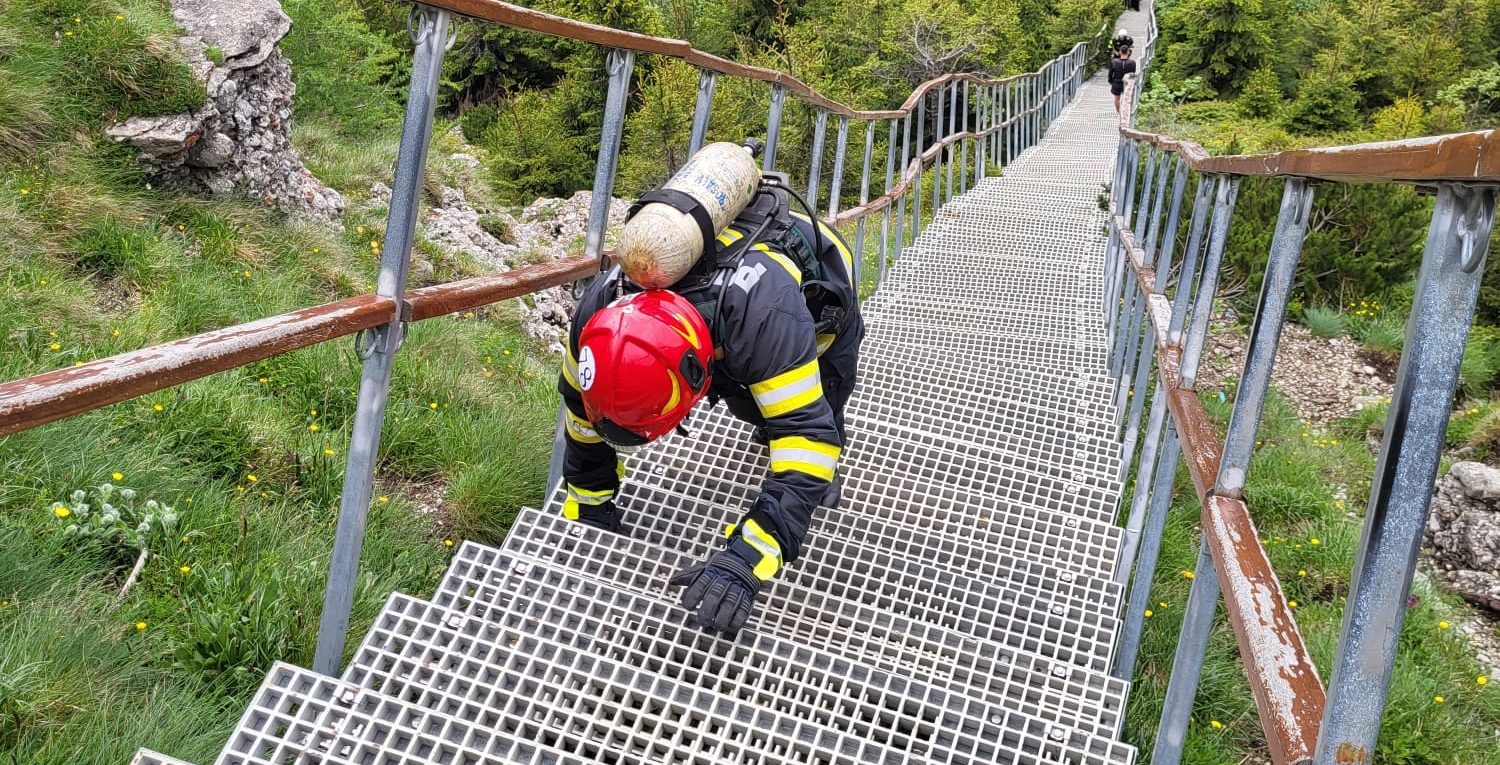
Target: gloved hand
[(721, 590), (601, 516)]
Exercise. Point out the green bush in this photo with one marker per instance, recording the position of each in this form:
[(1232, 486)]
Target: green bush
[(1382, 335), (1324, 322), (1261, 96)]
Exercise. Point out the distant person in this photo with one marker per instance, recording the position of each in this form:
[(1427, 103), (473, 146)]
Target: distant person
[(1119, 66)]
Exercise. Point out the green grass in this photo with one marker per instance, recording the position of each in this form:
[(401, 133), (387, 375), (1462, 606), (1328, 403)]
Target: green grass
[(1305, 485), (1324, 322), (96, 263)]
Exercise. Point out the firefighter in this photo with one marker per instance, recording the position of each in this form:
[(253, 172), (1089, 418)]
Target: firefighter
[(769, 323)]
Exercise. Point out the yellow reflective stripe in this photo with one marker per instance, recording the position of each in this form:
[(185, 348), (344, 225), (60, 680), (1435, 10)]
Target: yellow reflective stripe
[(570, 370), (589, 496), (766, 545), (788, 391), (620, 468), (803, 455), (570, 509), (730, 236), (783, 261), (581, 430), (824, 341)]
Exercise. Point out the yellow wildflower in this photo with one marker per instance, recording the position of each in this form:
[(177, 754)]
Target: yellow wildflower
[(314, 427), (184, 569), (1150, 613), (1481, 680), (1216, 724), (61, 512), (24, 192), (1443, 625), (1187, 575), (157, 407), (263, 381), (1438, 699), (140, 626), (382, 500), (252, 478), (447, 543), (329, 452), (1315, 541), (114, 332), (117, 475), (432, 405), (55, 346), (1302, 572)]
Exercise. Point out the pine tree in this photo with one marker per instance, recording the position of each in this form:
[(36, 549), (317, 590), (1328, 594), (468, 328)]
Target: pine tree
[(1262, 94), (1223, 41)]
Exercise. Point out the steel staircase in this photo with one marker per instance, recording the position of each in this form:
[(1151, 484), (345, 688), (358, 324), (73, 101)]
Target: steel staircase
[(958, 608)]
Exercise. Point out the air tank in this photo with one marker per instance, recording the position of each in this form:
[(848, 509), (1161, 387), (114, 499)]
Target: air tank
[(659, 245)]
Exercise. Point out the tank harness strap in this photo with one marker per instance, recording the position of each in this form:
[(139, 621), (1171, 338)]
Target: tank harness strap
[(682, 202)]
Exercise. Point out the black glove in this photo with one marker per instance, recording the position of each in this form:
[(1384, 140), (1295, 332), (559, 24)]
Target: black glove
[(721, 590), (601, 516)]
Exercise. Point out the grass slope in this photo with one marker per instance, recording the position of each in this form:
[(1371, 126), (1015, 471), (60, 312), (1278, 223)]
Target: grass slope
[(94, 262), (1307, 491)]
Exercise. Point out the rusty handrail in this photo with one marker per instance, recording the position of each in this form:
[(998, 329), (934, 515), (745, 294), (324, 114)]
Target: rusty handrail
[(1289, 695), (1472, 156), (39, 399), (533, 20)]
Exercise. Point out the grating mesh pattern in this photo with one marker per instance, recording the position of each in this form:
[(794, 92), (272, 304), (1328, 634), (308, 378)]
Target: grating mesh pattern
[(957, 607)]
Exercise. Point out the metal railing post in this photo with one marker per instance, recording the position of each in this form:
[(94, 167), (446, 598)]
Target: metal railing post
[(1201, 202), (815, 172), (1436, 332), (837, 182), (1234, 462), (1225, 197), (864, 196), (952, 130), (963, 127), (431, 38), (916, 195), (901, 203), (1163, 269), (1160, 500), (982, 124), (1135, 318), (620, 65), (939, 132), (773, 127), (885, 219), (708, 81)]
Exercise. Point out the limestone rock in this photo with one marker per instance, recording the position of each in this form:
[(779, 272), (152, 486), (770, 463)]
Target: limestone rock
[(239, 140), (1463, 533)]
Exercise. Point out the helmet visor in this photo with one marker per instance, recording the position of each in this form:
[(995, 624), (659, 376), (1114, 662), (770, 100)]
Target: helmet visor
[(619, 437)]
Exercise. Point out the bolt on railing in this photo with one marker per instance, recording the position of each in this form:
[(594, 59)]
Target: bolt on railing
[(1157, 323)]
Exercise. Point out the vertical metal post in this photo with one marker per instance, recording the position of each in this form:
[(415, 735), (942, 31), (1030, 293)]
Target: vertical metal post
[(1153, 225), (619, 65), (864, 196), (952, 130), (981, 125), (885, 219), (838, 168), (1234, 462), (901, 203), (1135, 318), (916, 195), (1201, 202), (431, 40), (1436, 331), (1226, 196), (1163, 269), (773, 127), (963, 127), (939, 132), (708, 81), (815, 174)]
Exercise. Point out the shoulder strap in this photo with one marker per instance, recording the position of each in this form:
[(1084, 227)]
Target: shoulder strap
[(682, 202)]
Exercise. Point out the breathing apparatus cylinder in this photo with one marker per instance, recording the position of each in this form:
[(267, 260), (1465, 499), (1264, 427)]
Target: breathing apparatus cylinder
[(661, 241)]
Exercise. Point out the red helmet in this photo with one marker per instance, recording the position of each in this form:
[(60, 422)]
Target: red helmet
[(643, 362)]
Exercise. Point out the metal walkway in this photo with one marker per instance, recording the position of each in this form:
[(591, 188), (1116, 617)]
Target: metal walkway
[(959, 607)]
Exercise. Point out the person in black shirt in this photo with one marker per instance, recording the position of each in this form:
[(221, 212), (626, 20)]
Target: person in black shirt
[(1119, 66)]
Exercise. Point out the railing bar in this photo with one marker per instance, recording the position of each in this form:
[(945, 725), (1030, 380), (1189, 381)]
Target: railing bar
[(1187, 663), (708, 82), (1448, 284), (431, 40), (1160, 501), (837, 183), (773, 127), (885, 221), (1226, 195), (815, 174)]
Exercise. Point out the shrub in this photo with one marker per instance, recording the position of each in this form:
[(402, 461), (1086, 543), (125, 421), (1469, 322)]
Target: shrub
[(1382, 335), (1262, 94)]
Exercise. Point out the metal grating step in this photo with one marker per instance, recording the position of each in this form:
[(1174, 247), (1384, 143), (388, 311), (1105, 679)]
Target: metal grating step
[(517, 605), (1048, 689)]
